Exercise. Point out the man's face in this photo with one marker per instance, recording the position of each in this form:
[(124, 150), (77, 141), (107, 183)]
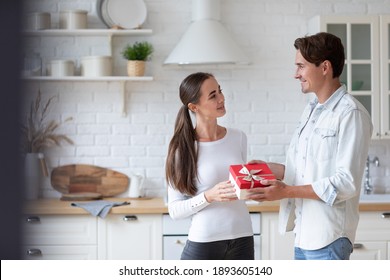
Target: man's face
[(310, 76)]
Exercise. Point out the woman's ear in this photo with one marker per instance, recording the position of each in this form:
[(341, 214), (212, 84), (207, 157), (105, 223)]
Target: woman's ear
[(192, 107)]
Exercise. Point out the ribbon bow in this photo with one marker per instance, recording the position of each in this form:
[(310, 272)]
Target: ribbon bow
[(250, 175)]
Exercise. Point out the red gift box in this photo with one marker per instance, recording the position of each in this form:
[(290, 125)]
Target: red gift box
[(247, 176)]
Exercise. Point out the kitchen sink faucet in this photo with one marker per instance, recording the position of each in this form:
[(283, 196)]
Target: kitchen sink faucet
[(367, 184)]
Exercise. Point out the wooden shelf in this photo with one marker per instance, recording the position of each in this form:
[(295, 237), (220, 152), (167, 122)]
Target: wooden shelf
[(90, 79), (88, 32), (110, 33)]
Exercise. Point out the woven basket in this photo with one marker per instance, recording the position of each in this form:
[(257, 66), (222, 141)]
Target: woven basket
[(135, 68)]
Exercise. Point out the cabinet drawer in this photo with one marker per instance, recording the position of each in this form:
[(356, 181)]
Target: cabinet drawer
[(68, 252), (374, 226), (130, 237), (173, 247), (369, 250), (59, 230)]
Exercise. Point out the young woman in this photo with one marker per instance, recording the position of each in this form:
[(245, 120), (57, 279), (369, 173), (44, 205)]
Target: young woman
[(197, 172)]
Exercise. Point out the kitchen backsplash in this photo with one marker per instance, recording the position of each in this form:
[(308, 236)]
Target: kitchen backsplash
[(262, 98)]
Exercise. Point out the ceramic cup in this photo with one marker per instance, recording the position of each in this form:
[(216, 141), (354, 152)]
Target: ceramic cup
[(136, 186)]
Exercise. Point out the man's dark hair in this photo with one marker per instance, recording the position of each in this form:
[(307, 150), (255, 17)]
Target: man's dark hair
[(320, 47)]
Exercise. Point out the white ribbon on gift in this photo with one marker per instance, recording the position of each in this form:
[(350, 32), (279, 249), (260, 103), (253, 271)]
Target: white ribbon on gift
[(251, 175)]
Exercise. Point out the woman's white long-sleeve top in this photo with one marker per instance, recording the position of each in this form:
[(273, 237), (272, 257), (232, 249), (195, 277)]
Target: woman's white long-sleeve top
[(217, 220)]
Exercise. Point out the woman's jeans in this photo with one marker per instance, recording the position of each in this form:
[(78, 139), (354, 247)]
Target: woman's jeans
[(339, 249), (234, 249)]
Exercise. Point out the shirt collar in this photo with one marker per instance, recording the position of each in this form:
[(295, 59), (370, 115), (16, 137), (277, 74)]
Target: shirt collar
[(333, 99)]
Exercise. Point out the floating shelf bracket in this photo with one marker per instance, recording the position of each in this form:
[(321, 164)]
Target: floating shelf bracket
[(124, 99)]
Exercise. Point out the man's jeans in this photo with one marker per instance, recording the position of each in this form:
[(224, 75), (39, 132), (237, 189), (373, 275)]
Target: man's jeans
[(340, 249)]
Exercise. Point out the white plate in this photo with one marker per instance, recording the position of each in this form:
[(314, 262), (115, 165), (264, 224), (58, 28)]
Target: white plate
[(99, 11), (128, 14)]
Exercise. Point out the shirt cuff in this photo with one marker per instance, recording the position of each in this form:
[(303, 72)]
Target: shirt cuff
[(198, 202), (325, 191)]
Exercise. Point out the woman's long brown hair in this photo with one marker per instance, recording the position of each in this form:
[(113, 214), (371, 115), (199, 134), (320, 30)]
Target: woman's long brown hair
[(181, 164)]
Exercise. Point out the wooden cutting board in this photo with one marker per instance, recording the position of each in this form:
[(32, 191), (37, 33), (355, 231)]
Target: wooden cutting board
[(85, 178), (82, 196)]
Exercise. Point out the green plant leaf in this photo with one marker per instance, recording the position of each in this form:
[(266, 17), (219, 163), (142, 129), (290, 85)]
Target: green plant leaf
[(138, 51)]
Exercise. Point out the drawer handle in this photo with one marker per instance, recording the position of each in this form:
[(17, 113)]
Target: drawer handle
[(357, 245), (34, 252), (179, 242), (386, 215), (130, 218), (33, 219)]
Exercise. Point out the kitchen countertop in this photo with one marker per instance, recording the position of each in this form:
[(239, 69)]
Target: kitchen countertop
[(55, 206)]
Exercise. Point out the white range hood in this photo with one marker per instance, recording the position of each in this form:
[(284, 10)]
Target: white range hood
[(206, 41)]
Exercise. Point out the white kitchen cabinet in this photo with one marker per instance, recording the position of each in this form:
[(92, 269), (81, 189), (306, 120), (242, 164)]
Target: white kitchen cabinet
[(130, 237), (68, 252), (59, 237), (173, 246), (369, 250), (366, 72), (275, 246), (372, 237)]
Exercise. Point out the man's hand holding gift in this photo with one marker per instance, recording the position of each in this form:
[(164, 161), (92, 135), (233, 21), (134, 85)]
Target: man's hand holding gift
[(274, 190), (245, 177)]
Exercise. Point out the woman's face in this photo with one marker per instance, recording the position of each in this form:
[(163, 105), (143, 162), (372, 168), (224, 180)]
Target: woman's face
[(211, 103)]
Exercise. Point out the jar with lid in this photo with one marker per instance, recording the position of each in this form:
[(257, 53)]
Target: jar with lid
[(73, 19), (32, 65)]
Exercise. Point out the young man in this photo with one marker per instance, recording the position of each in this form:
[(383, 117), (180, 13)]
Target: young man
[(325, 162)]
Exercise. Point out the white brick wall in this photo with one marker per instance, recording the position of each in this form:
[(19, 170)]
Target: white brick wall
[(262, 98)]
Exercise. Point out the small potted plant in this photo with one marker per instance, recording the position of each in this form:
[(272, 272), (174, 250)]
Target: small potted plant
[(36, 134), (136, 55)]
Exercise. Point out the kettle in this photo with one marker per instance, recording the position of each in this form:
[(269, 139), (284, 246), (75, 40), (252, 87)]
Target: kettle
[(136, 186)]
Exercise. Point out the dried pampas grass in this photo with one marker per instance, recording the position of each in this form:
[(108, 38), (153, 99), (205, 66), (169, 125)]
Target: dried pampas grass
[(36, 132)]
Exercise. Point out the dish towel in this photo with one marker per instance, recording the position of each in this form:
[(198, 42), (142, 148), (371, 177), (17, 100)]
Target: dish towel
[(100, 207)]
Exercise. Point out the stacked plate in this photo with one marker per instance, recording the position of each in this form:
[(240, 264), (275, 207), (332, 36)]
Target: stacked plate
[(127, 14)]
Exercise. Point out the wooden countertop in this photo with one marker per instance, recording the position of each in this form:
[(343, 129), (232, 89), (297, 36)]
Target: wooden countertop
[(156, 205)]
